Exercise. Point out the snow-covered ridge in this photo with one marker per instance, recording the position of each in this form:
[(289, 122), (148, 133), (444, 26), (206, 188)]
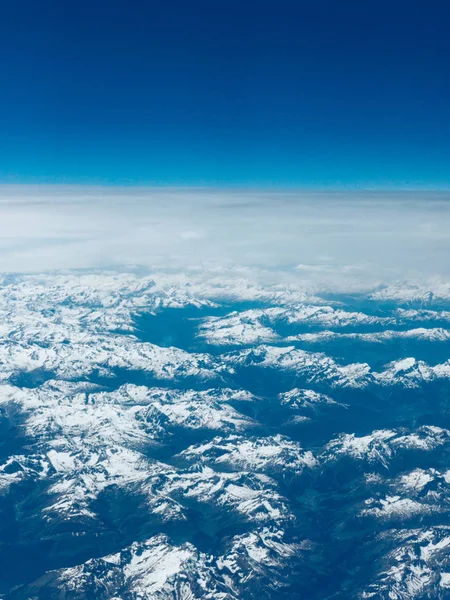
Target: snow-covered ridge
[(272, 455), (417, 566), (381, 446), (70, 326), (434, 334), (319, 368), (117, 443), (158, 569), (299, 398), (259, 325), (407, 292)]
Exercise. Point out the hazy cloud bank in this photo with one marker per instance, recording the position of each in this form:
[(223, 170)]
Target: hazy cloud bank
[(325, 239)]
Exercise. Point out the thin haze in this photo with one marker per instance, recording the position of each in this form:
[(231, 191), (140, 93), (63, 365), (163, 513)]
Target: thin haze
[(341, 238)]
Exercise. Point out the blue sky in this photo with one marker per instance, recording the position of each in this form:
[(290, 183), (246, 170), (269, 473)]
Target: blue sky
[(287, 93)]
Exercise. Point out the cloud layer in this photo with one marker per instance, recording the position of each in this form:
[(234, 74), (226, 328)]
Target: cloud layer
[(334, 238)]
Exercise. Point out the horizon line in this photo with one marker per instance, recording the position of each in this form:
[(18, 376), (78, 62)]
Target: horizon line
[(286, 188)]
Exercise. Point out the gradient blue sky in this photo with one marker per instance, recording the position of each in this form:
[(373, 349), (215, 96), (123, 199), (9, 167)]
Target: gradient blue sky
[(280, 93)]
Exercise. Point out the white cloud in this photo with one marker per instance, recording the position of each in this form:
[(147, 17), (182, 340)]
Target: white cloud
[(192, 235), (346, 238)]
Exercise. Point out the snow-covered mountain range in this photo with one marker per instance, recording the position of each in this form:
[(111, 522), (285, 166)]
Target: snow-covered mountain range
[(163, 438)]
